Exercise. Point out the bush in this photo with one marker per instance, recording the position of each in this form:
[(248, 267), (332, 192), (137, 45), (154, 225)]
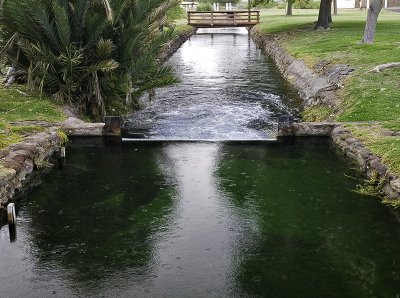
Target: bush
[(306, 4), (176, 12), (204, 6), (87, 53)]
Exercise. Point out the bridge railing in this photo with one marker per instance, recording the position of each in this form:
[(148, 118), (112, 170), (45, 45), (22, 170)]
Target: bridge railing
[(231, 18)]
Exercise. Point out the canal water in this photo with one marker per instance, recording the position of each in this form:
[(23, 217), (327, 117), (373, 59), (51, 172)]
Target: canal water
[(204, 219), (228, 90)]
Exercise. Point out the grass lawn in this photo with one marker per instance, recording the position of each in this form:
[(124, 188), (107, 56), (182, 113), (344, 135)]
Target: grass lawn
[(366, 96), (16, 104)]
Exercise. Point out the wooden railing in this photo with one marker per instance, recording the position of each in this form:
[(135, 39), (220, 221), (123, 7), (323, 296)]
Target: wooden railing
[(232, 18)]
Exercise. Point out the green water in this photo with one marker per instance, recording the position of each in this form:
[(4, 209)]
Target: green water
[(202, 220)]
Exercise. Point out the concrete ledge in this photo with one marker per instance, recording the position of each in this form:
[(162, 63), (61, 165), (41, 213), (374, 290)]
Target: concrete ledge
[(306, 129), (74, 127)]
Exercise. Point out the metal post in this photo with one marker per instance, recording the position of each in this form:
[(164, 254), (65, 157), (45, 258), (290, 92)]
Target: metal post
[(11, 216), (61, 159), (12, 221)]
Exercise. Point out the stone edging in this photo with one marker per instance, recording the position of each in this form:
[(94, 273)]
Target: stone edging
[(20, 160), (314, 88), (39, 151), (370, 163), (171, 47)]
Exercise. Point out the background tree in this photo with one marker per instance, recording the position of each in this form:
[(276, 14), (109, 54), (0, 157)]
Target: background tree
[(289, 7), (98, 55), (324, 15), (374, 9)]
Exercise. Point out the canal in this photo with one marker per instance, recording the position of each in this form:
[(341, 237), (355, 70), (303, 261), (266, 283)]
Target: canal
[(228, 90), (205, 219)]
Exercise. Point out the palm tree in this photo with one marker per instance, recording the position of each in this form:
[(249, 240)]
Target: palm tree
[(99, 55)]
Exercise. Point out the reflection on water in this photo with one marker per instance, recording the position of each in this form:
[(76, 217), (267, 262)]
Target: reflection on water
[(196, 220), (229, 90)]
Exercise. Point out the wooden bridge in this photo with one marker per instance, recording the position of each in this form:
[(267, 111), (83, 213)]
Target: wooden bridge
[(218, 19)]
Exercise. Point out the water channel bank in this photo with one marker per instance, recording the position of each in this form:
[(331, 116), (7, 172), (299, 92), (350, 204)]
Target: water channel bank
[(319, 88)]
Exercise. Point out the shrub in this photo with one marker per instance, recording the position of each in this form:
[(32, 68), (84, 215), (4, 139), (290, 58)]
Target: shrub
[(204, 6), (90, 53)]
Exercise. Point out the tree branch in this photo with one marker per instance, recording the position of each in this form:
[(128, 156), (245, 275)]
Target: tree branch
[(385, 66)]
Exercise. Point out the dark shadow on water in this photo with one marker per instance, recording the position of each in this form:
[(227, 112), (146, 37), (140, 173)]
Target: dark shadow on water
[(96, 217), (306, 234)]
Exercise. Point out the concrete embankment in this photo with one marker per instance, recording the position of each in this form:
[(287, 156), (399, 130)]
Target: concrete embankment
[(316, 87)]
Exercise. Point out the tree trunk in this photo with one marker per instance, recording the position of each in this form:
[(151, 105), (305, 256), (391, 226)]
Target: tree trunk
[(324, 15), (335, 7), (330, 13), (374, 9), (289, 10)]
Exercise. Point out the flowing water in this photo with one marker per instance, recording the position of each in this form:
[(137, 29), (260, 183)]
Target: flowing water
[(228, 90), (205, 219)]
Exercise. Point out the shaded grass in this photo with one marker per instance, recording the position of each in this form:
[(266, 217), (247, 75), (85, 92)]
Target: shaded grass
[(181, 25)]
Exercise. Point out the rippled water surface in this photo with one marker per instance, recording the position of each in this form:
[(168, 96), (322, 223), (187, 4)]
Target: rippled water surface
[(228, 90), (202, 220)]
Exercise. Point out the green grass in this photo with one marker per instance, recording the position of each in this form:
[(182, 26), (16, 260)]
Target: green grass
[(7, 137), (366, 96), (317, 114), (373, 97), (181, 26), (16, 105)]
